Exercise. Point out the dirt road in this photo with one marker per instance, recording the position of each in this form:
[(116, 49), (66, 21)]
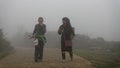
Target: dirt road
[(24, 58)]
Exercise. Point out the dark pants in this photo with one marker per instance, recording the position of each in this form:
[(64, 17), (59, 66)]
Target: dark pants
[(39, 51), (66, 49), (70, 53)]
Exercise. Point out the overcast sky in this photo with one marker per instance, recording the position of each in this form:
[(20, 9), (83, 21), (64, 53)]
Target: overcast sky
[(96, 18)]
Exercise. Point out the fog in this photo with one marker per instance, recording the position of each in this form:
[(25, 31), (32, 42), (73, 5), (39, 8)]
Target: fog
[(95, 18)]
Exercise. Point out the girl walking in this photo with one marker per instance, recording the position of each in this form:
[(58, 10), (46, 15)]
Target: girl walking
[(66, 31)]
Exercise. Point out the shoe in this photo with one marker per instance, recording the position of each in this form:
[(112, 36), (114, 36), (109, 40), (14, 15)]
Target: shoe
[(36, 60)]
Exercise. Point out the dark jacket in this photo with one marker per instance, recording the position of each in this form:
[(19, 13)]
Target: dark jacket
[(39, 29), (66, 34)]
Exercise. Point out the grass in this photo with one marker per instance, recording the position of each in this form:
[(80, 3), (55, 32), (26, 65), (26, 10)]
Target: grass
[(6, 53), (3, 54), (100, 59)]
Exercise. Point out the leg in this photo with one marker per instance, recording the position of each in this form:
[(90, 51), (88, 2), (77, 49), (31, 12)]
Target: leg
[(36, 54), (41, 46), (63, 55), (63, 49), (41, 52), (71, 55)]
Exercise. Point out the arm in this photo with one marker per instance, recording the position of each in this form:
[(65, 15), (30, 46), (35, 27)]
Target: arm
[(44, 30), (73, 33), (34, 31), (60, 30)]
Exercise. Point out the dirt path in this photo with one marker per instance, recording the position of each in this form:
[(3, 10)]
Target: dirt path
[(24, 58)]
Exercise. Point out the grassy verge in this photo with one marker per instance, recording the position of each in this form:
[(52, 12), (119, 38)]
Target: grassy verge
[(3, 54), (100, 59), (6, 53)]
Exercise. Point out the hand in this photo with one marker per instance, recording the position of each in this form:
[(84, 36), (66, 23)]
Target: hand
[(62, 30), (33, 36)]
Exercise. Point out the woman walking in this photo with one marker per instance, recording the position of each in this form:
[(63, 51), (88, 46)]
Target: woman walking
[(66, 31), (39, 32)]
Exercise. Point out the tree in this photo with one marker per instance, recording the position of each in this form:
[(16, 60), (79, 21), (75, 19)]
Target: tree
[(4, 44)]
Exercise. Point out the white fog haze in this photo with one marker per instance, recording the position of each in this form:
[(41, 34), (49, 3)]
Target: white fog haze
[(95, 18)]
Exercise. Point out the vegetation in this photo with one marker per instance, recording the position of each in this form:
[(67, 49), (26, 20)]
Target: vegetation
[(5, 47), (103, 54)]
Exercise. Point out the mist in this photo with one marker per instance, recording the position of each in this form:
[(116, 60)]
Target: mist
[(95, 18)]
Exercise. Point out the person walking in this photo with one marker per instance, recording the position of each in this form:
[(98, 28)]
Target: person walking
[(39, 34), (67, 33)]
